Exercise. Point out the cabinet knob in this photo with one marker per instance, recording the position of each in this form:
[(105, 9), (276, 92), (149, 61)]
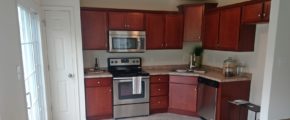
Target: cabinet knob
[(264, 14), (110, 90), (259, 15), (98, 82), (159, 79), (158, 102), (159, 89), (70, 75), (165, 44), (198, 37)]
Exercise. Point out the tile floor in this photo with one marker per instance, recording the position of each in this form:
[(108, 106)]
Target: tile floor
[(164, 116)]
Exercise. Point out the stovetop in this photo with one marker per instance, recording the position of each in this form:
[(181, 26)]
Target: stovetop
[(126, 67), (129, 73)]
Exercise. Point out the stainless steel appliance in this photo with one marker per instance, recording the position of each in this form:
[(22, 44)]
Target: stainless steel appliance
[(127, 41), (130, 87), (207, 97)]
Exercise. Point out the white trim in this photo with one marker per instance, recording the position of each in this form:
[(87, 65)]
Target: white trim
[(77, 56)]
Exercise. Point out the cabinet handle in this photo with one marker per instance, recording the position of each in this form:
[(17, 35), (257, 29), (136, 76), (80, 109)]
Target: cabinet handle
[(264, 14)]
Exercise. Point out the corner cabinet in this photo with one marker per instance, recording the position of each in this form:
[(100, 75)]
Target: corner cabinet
[(98, 93), (194, 20), (164, 31), (94, 29), (229, 34), (126, 20), (183, 95), (256, 12)]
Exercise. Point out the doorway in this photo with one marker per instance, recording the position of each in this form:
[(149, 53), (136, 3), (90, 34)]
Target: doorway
[(32, 63)]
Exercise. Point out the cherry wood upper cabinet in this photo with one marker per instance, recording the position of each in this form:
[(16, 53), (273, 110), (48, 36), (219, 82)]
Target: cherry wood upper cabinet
[(234, 36), (98, 98), (155, 24), (266, 14), (256, 12), (224, 31), (126, 20), (229, 28), (164, 31), (193, 20), (94, 29), (211, 30), (173, 31)]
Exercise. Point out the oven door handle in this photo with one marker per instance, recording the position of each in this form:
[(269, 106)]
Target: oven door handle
[(123, 78)]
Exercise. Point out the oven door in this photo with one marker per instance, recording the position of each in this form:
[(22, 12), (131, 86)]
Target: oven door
[(124, 92)]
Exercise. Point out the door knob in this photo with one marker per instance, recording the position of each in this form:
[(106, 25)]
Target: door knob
[(70, 75)]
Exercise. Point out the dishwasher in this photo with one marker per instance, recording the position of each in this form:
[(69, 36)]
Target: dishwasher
[(207, 98)]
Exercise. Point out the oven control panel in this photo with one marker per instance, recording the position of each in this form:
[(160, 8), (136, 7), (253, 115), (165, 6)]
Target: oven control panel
[(124, 61)]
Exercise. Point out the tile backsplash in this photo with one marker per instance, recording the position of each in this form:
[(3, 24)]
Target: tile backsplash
[(150, 57)]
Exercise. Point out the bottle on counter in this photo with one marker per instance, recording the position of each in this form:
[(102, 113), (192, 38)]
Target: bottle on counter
[(230, 67)]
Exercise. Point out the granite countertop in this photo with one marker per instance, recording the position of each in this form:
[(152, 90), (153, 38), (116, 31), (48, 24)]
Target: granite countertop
[(212, 74), (101, 74)]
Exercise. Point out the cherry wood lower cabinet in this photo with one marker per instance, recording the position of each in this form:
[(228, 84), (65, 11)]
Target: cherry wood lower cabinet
[(98, 98), (159, 93), (183, 95), (229, 91)]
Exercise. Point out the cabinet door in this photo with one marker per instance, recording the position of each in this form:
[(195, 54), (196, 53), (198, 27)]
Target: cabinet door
[(266, 14), (173, 31), (193, 17), (252, 13), (135, 21), (211, 34), (94, 30), (229, 28), (98, 101), (183, 97), (155, 31), (117, 20)]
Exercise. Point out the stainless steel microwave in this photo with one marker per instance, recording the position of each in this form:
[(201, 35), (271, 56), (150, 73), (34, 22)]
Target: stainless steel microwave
[(127, 41)]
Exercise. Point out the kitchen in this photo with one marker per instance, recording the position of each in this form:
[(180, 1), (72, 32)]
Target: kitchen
[(255, 60), (156, 60)]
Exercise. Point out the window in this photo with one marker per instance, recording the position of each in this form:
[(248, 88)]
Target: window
[(32, 63)]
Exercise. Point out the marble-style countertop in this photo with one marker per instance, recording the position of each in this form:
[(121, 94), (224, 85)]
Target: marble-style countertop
[(101, 74), (210, 74)]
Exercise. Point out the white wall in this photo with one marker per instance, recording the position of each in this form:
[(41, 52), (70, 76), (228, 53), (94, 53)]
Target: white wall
[(275, 103), (150, 57), (169, 5), (12, 92)]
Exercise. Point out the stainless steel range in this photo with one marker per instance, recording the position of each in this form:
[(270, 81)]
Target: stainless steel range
[(130, 87)]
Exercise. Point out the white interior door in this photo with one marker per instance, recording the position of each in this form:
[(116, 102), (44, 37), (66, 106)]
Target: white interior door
[(62, 64)]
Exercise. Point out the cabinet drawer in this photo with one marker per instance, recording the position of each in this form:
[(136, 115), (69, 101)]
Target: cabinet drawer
[(159, 79), (159, 89), (159, 102), (184, 80), (98, 82)]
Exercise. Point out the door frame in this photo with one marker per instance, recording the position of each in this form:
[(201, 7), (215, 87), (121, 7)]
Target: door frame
[(77, 59)]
